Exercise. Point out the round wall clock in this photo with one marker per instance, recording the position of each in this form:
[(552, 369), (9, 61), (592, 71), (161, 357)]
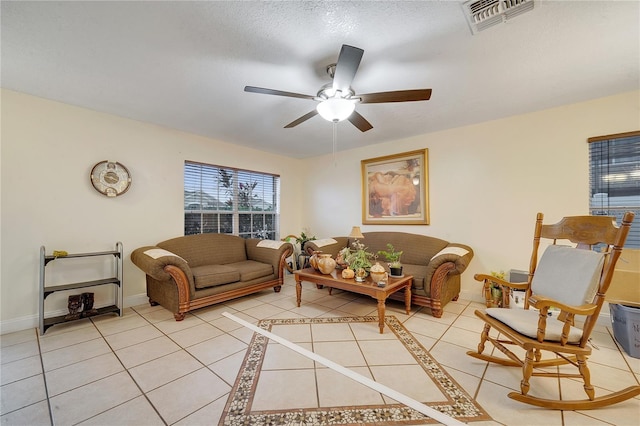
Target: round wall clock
[(110, 178)]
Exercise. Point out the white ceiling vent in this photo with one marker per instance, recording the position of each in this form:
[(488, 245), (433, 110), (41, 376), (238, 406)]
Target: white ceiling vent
[(482, 14)]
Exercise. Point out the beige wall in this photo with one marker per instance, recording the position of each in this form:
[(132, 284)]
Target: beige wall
[(487, 182), (48, 150)]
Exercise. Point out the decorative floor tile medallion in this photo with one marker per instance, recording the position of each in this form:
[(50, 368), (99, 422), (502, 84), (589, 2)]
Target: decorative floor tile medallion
[(238, 410)]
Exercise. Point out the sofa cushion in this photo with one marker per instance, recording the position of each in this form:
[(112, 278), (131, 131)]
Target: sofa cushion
[(213, 275), (205, 249), (416, 249), (251, 270)]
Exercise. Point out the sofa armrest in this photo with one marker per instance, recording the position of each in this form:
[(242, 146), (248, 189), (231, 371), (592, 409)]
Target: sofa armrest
[(274, 256), (152, 260), (458, 254), (332, 248)]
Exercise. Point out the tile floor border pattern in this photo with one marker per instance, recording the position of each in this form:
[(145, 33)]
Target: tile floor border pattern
[(237, 411)]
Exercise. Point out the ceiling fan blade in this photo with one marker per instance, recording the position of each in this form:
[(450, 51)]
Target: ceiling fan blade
[(276, 92), (302, 119), (346, 67), (397, 96), (359, 121)]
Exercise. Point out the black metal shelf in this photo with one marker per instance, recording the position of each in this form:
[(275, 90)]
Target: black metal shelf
[(48, 322), (50, 257), (73, 286), (45, 291)]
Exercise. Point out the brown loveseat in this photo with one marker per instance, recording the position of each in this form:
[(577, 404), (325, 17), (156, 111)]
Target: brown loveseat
[(193, 271), (435, 264)]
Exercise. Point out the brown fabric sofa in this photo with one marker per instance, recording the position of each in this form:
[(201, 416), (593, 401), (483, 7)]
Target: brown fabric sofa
[(193, 271), (435, 264)]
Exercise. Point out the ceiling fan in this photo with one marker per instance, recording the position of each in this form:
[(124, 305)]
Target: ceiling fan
[(337, 100)]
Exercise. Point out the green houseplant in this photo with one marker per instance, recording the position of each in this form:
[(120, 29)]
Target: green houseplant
[(393, 259), (302, 240), (496, 290), (359, 259)]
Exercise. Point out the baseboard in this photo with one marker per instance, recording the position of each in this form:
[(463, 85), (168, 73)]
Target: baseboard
[(135, 300), (31, 321), (474, 296)]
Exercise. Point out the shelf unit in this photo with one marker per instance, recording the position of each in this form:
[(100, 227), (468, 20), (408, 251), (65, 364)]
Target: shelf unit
[(45, 323)]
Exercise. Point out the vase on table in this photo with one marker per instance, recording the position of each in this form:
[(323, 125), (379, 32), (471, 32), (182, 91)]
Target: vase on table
[(378, 274), (313, 260), (326, 264)]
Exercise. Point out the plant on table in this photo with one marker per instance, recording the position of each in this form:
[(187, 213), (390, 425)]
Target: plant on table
[(393, 258), (359, 257)]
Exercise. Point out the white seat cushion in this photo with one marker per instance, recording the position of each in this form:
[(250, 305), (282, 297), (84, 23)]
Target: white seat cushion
[(525, 321)]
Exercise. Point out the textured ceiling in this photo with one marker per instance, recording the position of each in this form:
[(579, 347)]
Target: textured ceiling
[(184, 65)]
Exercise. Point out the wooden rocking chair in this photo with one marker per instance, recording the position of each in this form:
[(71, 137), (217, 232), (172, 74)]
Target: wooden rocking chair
[(572, 280)]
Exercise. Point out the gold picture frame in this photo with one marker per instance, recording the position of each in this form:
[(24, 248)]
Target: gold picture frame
[(395, 189)]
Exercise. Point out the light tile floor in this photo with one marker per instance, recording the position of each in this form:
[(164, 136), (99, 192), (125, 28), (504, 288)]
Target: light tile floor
[(146, 369)]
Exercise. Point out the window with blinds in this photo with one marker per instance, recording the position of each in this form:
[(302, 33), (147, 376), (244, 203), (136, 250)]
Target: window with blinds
[(224, 200), (614, 179)]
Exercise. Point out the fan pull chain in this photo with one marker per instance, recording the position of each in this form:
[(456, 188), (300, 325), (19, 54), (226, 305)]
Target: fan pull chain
[(335, 143)]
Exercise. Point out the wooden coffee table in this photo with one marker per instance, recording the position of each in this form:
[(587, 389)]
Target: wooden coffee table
[(335, 280)]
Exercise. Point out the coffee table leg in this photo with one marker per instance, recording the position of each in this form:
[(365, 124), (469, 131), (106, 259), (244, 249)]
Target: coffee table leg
[(298, 290), (407, 299), (381, 309)]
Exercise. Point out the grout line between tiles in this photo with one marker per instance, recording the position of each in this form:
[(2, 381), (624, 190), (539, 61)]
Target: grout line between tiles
[(44, 377), (144, 394)]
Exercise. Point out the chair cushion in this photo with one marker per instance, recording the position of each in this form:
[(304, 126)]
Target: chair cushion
[(525, 321), (568, 275)]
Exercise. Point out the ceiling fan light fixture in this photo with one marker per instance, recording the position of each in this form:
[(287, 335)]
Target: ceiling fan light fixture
[(336, 109)]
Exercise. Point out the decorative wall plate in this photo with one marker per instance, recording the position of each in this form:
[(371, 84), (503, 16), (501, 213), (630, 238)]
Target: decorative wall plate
[(110, 178)]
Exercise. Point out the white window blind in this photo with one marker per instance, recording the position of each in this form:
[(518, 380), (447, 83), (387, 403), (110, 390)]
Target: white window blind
[(224, 200), (614, 179)]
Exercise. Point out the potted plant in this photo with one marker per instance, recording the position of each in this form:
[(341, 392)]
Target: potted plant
[(302, 240), (393, 259), (496, 291), (359, 259)]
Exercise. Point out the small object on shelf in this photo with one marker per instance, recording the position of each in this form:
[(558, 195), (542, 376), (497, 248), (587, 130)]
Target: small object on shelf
[(75, 301), (87, 305), (60, 253)]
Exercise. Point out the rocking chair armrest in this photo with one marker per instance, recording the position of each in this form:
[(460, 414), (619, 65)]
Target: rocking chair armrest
[(567, 315), (490, 278), (541, 302)]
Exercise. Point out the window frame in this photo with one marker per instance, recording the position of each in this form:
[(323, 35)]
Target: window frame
[(614, 179), (228, 200)]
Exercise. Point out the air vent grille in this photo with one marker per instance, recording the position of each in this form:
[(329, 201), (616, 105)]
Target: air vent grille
[(482, 14)]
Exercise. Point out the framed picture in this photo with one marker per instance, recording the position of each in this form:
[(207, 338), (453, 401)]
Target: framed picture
[(395, 189)]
